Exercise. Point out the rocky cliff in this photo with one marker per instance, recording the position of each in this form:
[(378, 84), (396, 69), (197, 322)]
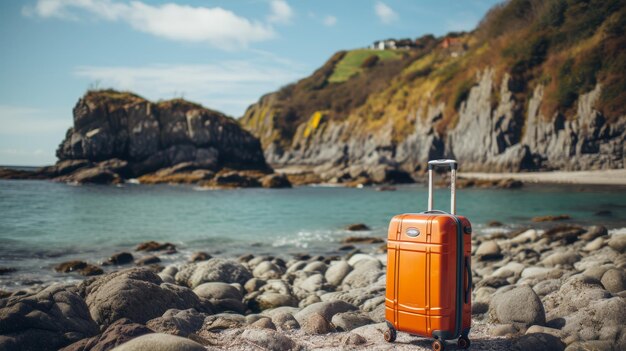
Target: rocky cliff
[(119, 135), (537, 86)]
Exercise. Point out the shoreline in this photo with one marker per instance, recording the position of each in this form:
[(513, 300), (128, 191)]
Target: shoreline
[(599, 177)]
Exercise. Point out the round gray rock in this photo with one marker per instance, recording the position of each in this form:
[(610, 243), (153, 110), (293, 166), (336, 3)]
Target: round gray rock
[(614, 280), (488, 250), (347, 321), (267, 270), (518, 305), (160, 342), (336, 272), (326, 309), (213, 270)]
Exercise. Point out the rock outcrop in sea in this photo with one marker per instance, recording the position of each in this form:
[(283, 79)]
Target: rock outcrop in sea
[(119, 135)]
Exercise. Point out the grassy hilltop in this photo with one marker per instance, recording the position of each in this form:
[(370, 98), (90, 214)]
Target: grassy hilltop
[(568, 46)]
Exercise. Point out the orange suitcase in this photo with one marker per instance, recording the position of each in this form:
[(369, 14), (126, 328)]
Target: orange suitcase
[(429, 277)]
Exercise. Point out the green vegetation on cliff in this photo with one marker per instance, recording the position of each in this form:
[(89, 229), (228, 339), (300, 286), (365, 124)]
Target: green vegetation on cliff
[(567, 46)]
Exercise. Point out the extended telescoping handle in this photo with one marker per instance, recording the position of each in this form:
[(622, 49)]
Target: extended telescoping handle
[(443, 163)]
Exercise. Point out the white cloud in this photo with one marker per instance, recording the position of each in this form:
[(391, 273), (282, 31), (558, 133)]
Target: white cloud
[(229, 86), (330, 21), (281, 12), (216, 26), (385, 13)]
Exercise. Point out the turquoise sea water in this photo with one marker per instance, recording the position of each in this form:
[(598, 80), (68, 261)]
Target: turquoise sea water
[(43, 223)]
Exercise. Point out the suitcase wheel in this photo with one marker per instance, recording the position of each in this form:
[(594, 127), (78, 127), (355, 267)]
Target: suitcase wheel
[(438, 345), (390, 334), (464, 342)]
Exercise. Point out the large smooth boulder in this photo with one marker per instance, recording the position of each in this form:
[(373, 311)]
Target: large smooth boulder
[(47, 320), (213, 270), (160, 342), (601, 319), (137, 294), (577, 292), (519, 305), (116, 334)]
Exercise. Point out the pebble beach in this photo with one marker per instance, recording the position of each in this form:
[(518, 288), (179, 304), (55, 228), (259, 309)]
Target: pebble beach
[(559, 288)]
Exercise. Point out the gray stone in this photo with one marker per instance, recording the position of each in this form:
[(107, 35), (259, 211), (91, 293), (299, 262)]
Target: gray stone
[(213, 270), (312, 283), (160, 342), (561, 258), (285, 321), (269, 300), (577, 292), (223, 321), (116, 334), (545, 330), (347, 321), (177, 322), (538, 342), (325, 309), (309, 300), (267, 339), (315, 323), (618, 242), (317, 266), (614, 280), (267, 270), (263, 323), (365, 273), (545, 287), (589, 322), (222, 296), (47, 320), (596, 272), (352, 339), (518, 305), (488, 250), (504, 330), (595, 345), (594, 245), (594, 232), (253, 284), (336, 272)]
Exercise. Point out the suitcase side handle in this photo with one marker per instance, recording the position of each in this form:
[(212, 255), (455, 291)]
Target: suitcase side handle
[(468, 269), (443, 163)]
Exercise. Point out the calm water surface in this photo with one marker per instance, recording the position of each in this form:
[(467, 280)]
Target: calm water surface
[(43, 223)]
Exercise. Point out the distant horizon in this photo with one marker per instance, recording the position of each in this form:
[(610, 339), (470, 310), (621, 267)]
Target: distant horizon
[(221, 54)]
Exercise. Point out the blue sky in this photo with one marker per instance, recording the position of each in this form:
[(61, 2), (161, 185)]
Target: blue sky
[(223, 54)]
